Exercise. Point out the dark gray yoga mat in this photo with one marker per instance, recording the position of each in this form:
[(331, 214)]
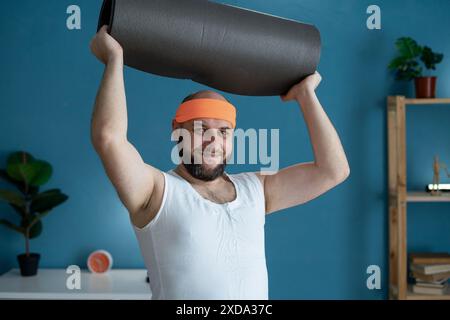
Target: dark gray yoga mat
[(225, 47)]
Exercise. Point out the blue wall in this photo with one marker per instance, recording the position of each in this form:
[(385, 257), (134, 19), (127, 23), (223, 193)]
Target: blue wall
[(318, 250)]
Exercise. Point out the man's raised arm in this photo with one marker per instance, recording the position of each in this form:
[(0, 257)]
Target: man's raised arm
[(302, 182), (133, 179)]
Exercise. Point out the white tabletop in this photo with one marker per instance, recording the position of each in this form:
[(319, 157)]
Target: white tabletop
[(116, 284)]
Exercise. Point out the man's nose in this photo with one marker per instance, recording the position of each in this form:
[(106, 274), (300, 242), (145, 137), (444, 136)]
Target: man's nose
[(212, 135), (213, 140)]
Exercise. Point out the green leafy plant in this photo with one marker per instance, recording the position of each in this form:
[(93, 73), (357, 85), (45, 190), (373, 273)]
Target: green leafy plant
[(28, 174), (406, 64), (430, 58)]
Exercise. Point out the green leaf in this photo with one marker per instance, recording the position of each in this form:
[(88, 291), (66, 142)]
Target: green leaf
[(47, 200), (43, 173), (23, 168), (16, 159), (19, 157), (12, 197), (35, 219), (36, 230), (397, 63), (35, 173), (430, 58), (12, 226), (33, 222), (19, 184), (23, 172), (405, 65), (408, 48)]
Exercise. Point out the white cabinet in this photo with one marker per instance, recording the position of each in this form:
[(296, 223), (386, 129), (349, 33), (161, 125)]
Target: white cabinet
[(117, 284)]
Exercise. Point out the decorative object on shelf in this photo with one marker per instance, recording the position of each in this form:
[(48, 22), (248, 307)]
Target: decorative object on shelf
[(407, 67), (430, 271), (99, 261), (437, 166), (28, 174), (441, 186)]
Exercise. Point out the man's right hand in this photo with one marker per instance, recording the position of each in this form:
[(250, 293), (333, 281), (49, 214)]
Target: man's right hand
[(105, 47)]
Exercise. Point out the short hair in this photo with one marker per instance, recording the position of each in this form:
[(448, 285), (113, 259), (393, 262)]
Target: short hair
[(192, 96)]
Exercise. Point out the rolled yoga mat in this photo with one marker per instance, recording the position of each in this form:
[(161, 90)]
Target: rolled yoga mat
[(225, 47)]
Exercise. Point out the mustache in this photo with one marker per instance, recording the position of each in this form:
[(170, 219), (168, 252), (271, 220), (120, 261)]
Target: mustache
[(208, 152)]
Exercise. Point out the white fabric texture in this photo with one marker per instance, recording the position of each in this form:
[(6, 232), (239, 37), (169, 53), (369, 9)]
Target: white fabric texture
[(195, 248)]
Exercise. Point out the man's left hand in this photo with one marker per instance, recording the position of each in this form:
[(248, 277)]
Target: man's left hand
[(307, 85)]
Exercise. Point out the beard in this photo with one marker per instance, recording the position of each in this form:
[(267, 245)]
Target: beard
[(202, 172)]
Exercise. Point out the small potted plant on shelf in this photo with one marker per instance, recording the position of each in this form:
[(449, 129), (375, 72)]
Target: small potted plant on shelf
[(28, 174), (407, 67)]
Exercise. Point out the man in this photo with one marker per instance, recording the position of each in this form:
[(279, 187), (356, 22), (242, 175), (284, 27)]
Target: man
[(201, 230)]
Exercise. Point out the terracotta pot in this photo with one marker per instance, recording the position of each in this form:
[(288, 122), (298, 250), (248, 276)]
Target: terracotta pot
[(425, 87)]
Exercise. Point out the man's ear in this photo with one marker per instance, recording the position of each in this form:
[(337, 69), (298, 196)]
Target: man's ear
[(175, 124)]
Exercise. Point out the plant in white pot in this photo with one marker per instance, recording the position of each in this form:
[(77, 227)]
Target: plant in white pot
[(28, 174), (407, 67)]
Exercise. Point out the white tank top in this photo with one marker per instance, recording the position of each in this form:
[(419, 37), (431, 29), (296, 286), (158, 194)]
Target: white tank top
[(195, 248)]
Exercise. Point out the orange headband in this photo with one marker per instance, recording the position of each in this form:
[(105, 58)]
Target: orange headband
[(206, 108)]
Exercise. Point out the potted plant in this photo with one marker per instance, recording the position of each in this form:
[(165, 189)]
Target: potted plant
[(426, 86), (407, 66), (28, 174)]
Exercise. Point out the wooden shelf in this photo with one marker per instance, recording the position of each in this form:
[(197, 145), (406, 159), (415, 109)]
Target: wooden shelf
[(427, 101), (420, 296), (398, 196), (419, 196)]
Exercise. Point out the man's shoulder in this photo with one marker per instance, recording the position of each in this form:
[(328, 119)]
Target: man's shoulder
[(252, 175)]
